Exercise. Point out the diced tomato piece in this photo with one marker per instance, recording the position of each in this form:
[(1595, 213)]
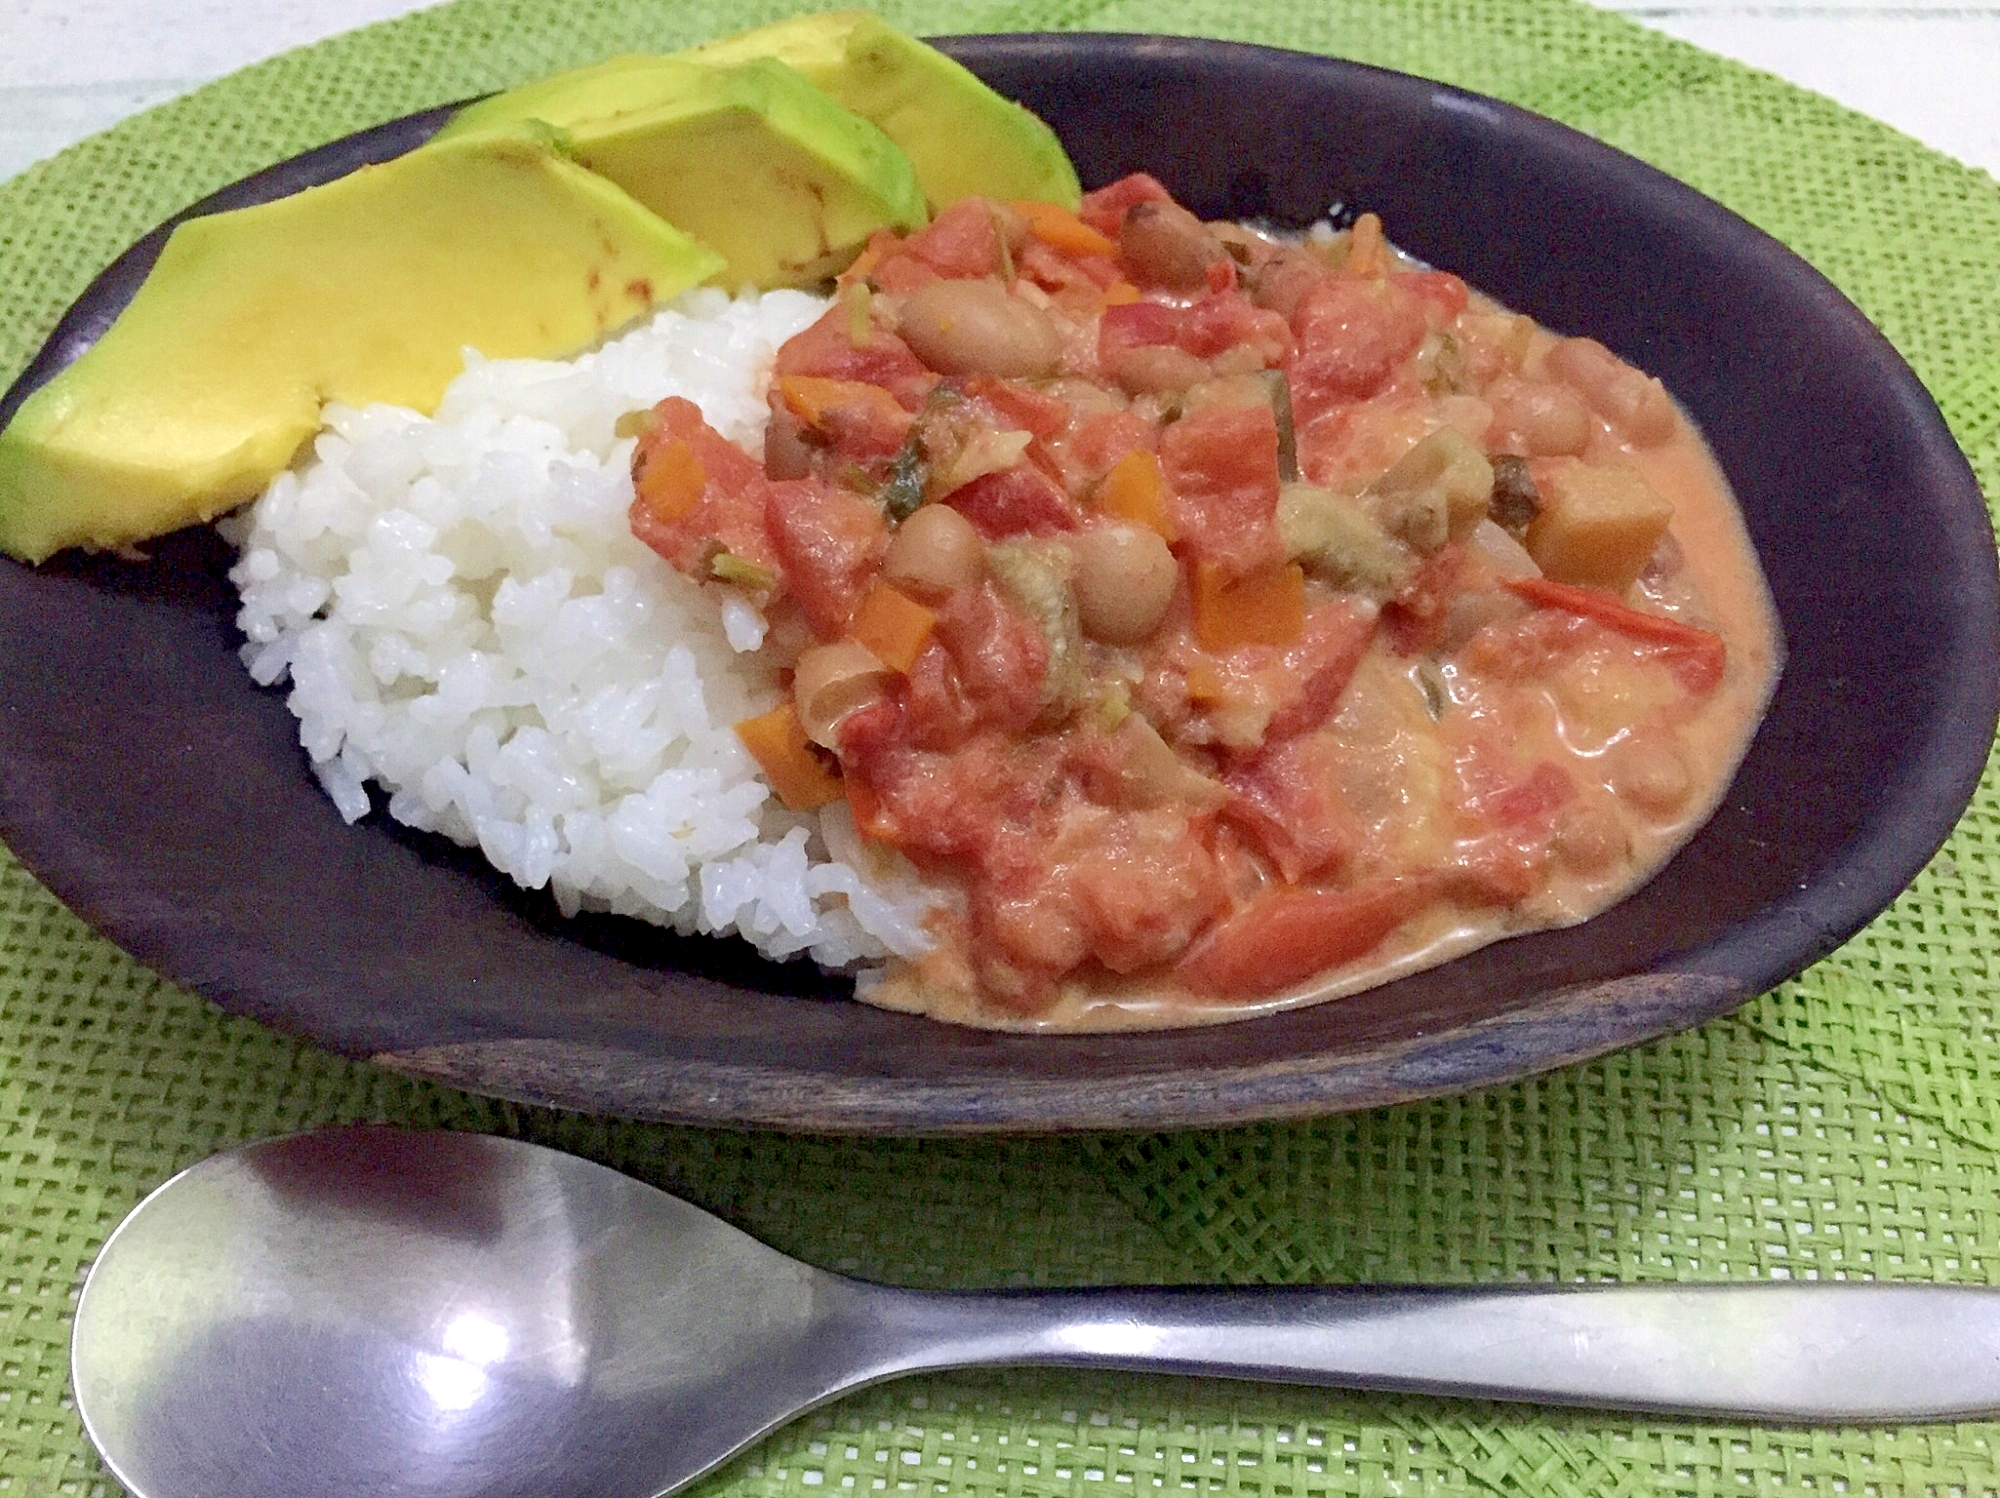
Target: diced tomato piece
[(1415, 617), (931, 806), (1142, 890), (1221, 467), (856, 419), (869, 733), (1506, 813), (1104, 209), (1064, 275), (1501, 869), (1017, 501), (1532, 801), (1001, 655), (1494, 790), (1526, 648), (829, 543), (1134, 325), (1289, 935), (1101, 438), (1445, 293), (1352, 334), (903, 274), (1226, 321), (959, 243), (937, 714), (1288, 802), (866, 808), (827, 351), (1095, 442), (1696, 656), (881, 245), (1035, 931), (727, 464), (726, 510), (1022, 407), (1325, 657)]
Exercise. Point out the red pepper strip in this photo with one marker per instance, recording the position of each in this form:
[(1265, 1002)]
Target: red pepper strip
[(1694, 655), (1288, 935)]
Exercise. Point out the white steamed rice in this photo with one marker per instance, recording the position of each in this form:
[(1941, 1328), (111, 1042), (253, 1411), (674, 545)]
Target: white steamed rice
[(466, 621)]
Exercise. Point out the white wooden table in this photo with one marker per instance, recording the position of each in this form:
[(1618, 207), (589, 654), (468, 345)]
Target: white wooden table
[(70, 67)]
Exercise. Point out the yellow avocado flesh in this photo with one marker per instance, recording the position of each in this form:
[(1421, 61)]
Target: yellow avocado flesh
[(369, 288), (961, 137), (753, 160)]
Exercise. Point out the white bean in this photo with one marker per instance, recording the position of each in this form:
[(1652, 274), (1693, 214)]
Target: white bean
[(1125, 578), (935, 551), (1538, 418), (831, 681), (1162, 244), (1636, 404), (976, 327)]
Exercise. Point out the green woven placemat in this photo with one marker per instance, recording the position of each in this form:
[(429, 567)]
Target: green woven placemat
[(1848, 1124)]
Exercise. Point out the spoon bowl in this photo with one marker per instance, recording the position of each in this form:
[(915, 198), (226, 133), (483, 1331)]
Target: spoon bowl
[(363, 1312), (367, 1312)]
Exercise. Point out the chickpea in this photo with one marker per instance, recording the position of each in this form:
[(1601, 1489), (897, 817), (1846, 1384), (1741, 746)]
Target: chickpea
[(831, 681), (1588, 838), (934, 551), (1162, 244), (1158, 369), (1538, 418), (1649, 770), (977, 327), (1636, 404), (1125, 578)]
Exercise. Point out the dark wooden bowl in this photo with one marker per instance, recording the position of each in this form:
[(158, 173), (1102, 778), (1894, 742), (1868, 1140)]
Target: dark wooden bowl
[(166, 800)]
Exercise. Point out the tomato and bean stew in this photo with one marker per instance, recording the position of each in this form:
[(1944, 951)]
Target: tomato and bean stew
[(1223, 620)]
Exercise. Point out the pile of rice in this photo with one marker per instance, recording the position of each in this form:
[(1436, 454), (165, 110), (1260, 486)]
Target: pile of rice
[(466, 621)]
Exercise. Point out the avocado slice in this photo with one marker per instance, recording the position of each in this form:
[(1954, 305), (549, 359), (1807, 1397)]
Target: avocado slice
[(368, 288), (961, 137), (752, 160)]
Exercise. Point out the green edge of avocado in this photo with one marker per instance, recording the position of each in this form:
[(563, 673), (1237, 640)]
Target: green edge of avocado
[(364, 289)]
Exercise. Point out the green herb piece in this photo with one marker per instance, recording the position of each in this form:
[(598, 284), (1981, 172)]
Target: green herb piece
[(1281, 411), (728, 567)]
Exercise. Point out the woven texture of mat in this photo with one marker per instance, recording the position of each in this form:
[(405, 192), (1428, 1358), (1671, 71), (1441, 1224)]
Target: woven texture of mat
[(1847, 1125)]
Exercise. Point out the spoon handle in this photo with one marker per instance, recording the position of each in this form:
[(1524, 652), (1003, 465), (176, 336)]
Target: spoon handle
[(1786, 1351)]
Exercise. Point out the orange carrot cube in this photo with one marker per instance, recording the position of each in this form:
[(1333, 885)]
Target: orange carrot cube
[(671, 481), (1056, 226), (1134, 490), (1268, 607), (893, 625), (778, 742)]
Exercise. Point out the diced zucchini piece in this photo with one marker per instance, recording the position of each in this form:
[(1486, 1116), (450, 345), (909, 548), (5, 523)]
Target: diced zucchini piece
[(1332, 538), (1597, 526), (1039, 577), (1436, 492)]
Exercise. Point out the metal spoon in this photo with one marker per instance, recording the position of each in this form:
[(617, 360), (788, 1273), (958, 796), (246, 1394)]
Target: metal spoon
[(369, 1312)]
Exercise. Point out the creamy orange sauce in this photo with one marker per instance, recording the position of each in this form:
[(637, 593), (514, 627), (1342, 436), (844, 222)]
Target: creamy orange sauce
[(1220, 623), (1585, 716)]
